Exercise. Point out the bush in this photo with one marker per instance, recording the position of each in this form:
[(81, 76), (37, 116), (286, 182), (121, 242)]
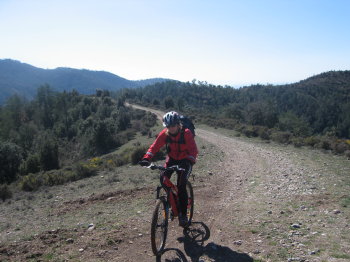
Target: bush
[(263, 133), (297, 141), (5, 192), (137, 154), (119, 161), (340, 148), (224, 123), (58, 177), (30, 182), (324, 143), (281, 137), (85, 170), (312, 141), (250, 131)]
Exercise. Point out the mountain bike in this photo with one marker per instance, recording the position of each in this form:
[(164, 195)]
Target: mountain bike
[(167, 207)]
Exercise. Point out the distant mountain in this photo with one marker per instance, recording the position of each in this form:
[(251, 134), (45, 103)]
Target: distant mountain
[(24, 79)]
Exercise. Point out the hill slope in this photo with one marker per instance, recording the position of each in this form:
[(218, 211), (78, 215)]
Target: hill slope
[(24, 79), (317, 105)]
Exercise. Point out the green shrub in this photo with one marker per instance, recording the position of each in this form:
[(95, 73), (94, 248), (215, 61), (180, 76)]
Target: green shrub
[(324, 143), (340, 147), (58, 177), (119, 161), (239, 128), (298, 141), (85, 170), (250, 131), (30, 182), (5, 192), (137, 154), (312, 141), (263, 133), (33, 182), (281, 137)]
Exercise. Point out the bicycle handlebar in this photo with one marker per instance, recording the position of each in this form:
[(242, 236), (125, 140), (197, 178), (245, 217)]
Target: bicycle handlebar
[(170, 168)]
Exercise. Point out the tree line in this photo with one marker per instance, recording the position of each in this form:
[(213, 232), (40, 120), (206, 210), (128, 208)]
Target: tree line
[(316, 107), (57, 129)]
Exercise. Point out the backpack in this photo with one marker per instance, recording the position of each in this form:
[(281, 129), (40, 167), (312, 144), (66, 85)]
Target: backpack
[(186, 123)]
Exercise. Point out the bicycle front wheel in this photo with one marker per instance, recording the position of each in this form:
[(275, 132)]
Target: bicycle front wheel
[(190, 202), (159, 227)]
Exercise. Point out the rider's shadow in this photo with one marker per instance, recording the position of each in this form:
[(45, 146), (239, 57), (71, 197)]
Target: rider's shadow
[(193, 240), (171, 255)]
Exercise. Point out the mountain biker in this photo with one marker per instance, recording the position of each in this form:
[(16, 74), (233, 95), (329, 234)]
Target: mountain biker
[(182, 151)]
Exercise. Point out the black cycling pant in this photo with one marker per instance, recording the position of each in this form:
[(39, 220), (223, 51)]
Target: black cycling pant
[(182, 178)]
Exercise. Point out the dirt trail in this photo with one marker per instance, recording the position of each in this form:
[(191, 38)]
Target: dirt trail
[(255, 203), (260, 203), (212, 236)]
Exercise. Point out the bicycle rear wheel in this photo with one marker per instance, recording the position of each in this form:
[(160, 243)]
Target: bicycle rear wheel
[(159, 227), (190, 202)]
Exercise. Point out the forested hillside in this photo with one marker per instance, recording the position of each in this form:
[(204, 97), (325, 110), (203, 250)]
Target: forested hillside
[(23, 79), (317, 106), (56, 130)]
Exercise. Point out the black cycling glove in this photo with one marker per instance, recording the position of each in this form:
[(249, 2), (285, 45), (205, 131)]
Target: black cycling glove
[(144, 162)]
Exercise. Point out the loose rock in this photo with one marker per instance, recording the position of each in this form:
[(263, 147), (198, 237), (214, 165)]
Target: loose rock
[(70, 240), (238, 242)]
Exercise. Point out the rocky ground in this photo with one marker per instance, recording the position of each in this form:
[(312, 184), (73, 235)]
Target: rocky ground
[(254, 201)]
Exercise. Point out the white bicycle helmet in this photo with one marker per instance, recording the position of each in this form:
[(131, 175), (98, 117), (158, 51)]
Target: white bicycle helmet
[(171, 118)]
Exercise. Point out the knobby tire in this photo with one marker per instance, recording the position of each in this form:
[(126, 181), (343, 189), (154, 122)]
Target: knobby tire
[(159, 227)]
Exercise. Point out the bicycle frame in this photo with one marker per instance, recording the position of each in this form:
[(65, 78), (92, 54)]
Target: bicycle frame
[(173, 197), (172, 193)]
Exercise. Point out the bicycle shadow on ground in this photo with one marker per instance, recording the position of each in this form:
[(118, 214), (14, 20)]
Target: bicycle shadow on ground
[(193, 240), (171, 255)]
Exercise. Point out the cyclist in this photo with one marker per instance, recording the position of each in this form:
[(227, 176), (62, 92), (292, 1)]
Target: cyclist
[(182, 151)]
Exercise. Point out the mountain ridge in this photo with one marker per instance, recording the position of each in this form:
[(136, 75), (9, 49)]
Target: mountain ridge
[(24, 79)]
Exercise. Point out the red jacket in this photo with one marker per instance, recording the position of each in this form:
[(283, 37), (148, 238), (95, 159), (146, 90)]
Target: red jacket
[(187, 150)]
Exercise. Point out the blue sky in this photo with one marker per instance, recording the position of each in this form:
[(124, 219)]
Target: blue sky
[(222, 42)]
